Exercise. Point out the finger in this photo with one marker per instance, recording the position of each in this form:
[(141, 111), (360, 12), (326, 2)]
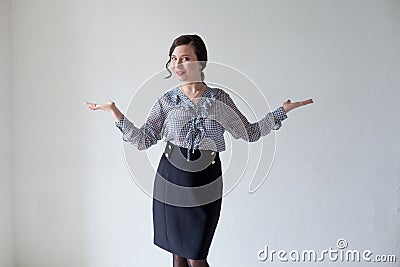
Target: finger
[(309, 101), (304, 102), (92, 106), (89, 104)]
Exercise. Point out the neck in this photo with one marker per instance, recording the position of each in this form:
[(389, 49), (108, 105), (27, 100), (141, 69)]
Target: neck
[(192, 88)]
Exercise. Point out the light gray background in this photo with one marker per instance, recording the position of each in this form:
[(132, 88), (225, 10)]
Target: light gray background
[(66, 196)]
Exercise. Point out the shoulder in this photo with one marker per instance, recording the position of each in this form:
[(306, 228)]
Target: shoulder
[(170, 96), (220, 94), (216, 92)]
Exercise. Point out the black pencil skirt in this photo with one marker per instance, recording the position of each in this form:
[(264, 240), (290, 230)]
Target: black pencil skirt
[(187, 198)]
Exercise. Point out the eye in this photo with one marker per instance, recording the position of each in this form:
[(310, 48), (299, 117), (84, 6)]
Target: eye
[(186, 58)]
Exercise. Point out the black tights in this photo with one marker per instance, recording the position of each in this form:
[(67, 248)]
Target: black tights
[(179, 261)]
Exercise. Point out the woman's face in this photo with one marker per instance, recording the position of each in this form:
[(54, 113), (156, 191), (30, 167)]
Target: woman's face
[(185, 65)]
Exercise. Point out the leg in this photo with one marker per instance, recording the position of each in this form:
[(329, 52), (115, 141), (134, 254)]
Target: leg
[(198, 263), (178, 261)]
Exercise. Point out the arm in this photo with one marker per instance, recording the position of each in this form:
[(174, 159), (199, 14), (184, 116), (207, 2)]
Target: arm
[(239, 127), (148, 134)]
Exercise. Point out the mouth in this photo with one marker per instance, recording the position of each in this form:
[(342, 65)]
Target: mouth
[(179, 73)]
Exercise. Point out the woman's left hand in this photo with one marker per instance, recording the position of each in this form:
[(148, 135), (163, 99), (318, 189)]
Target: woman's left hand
[(288, 106)]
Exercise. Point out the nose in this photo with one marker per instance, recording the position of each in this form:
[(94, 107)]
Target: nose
[(179, 64), (179, 60)]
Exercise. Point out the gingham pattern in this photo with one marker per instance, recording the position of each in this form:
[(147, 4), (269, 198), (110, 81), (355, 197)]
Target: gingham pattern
[(201, 126)]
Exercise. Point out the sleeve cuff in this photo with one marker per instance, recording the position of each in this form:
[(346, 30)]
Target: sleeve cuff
[(279, 114), (120, 123)]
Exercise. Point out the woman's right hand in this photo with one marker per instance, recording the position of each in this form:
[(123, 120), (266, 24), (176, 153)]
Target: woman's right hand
[(109, 106)]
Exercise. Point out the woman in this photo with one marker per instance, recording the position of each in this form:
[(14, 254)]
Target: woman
[(192, 118)]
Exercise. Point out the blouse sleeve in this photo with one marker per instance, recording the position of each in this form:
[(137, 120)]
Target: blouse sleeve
[(239, 127), (149, 133)]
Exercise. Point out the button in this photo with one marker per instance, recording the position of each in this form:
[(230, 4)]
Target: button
[(212, 153), (166, 154), (212, 162), (169, 146)]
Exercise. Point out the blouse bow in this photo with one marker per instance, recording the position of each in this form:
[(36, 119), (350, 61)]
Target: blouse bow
[(196, 127)]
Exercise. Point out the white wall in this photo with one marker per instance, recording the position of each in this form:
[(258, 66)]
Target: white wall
[(336, 170), (6, 182)]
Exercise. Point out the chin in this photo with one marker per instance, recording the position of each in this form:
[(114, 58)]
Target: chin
[(181, 78)]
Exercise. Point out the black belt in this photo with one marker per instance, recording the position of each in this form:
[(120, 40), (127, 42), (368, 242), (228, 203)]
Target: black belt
[(199, 159)]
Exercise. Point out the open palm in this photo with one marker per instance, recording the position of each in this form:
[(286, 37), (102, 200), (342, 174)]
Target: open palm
[(107, 107), (288, 105)]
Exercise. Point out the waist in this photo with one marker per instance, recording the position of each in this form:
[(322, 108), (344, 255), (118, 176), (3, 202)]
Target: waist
[(174, 152), (208, 143)]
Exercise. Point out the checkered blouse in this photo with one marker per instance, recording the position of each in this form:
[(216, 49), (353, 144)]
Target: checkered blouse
[(201, 126)]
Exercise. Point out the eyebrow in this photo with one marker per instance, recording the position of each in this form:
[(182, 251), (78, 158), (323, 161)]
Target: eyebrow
[(182, 55)]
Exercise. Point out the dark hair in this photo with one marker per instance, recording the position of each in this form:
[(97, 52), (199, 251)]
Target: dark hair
[(198, 46)]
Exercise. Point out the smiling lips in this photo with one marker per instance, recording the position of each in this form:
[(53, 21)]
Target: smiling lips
[(179, 73)]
